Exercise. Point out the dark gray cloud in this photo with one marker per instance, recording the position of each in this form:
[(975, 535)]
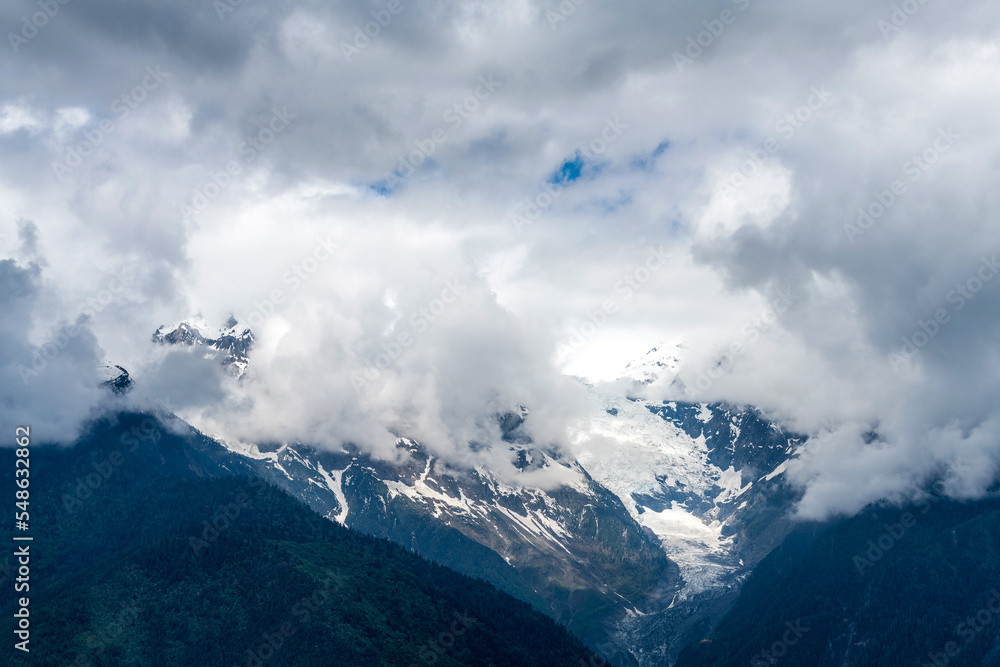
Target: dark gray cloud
[(50, 381)]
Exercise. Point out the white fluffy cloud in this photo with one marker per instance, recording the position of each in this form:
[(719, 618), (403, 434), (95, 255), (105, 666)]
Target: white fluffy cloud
[(416, 150)]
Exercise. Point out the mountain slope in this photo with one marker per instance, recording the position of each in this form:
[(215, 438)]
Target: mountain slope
[(889, 587), (185, 563), (698, 484), (704, 480), (664, 510), (573, 551)]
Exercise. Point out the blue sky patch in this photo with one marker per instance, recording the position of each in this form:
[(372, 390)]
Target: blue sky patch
[(570, 171)]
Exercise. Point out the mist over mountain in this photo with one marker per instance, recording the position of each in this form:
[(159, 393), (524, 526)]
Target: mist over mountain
[(602, 303), (419, 260)]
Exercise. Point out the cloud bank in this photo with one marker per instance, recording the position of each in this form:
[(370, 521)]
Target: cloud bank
[(488, 180)]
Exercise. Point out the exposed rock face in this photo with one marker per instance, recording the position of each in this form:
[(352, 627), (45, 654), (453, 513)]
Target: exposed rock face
[(117, 379), (231, 345)]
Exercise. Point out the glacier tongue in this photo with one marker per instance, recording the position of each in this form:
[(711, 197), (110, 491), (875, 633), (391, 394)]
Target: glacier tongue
[(664, 478), (704, 478), (705, 558)]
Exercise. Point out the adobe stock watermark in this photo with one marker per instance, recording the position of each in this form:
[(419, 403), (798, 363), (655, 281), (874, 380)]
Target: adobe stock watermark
[(914, 168), (55, 344), (527, 211), (363, 35), (959, 298), (624, 290), (779, 649), (751, 332), (814, 444), (222, 518), (530, 209), (302, 613), (122, 106), (31, 25), (786, 126), (967, 631), (567, 8), (431, 652), (420, 321), (714, 28), (109, 465), (892, 534), (223, 7), (248, 151), (295, 277), (900, 16), (454, 117)]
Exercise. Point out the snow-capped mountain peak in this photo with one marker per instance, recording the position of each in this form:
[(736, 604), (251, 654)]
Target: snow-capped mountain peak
[(115, 378), (231, 342), (657, 366)]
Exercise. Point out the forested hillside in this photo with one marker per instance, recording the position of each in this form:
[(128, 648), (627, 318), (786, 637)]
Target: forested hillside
[(890, 587), (164, 559)]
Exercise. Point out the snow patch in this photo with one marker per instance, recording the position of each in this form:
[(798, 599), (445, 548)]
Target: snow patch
[(731, 482), (335, 482), (704, 414), (777, 471), (699, 549)]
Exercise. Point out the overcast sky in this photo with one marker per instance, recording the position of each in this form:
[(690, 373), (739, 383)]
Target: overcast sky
[(521, 190)]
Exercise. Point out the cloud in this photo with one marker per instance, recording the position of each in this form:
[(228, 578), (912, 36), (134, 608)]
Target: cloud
[(369, 338), (50, 375), (823, 364), (888, 315)]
